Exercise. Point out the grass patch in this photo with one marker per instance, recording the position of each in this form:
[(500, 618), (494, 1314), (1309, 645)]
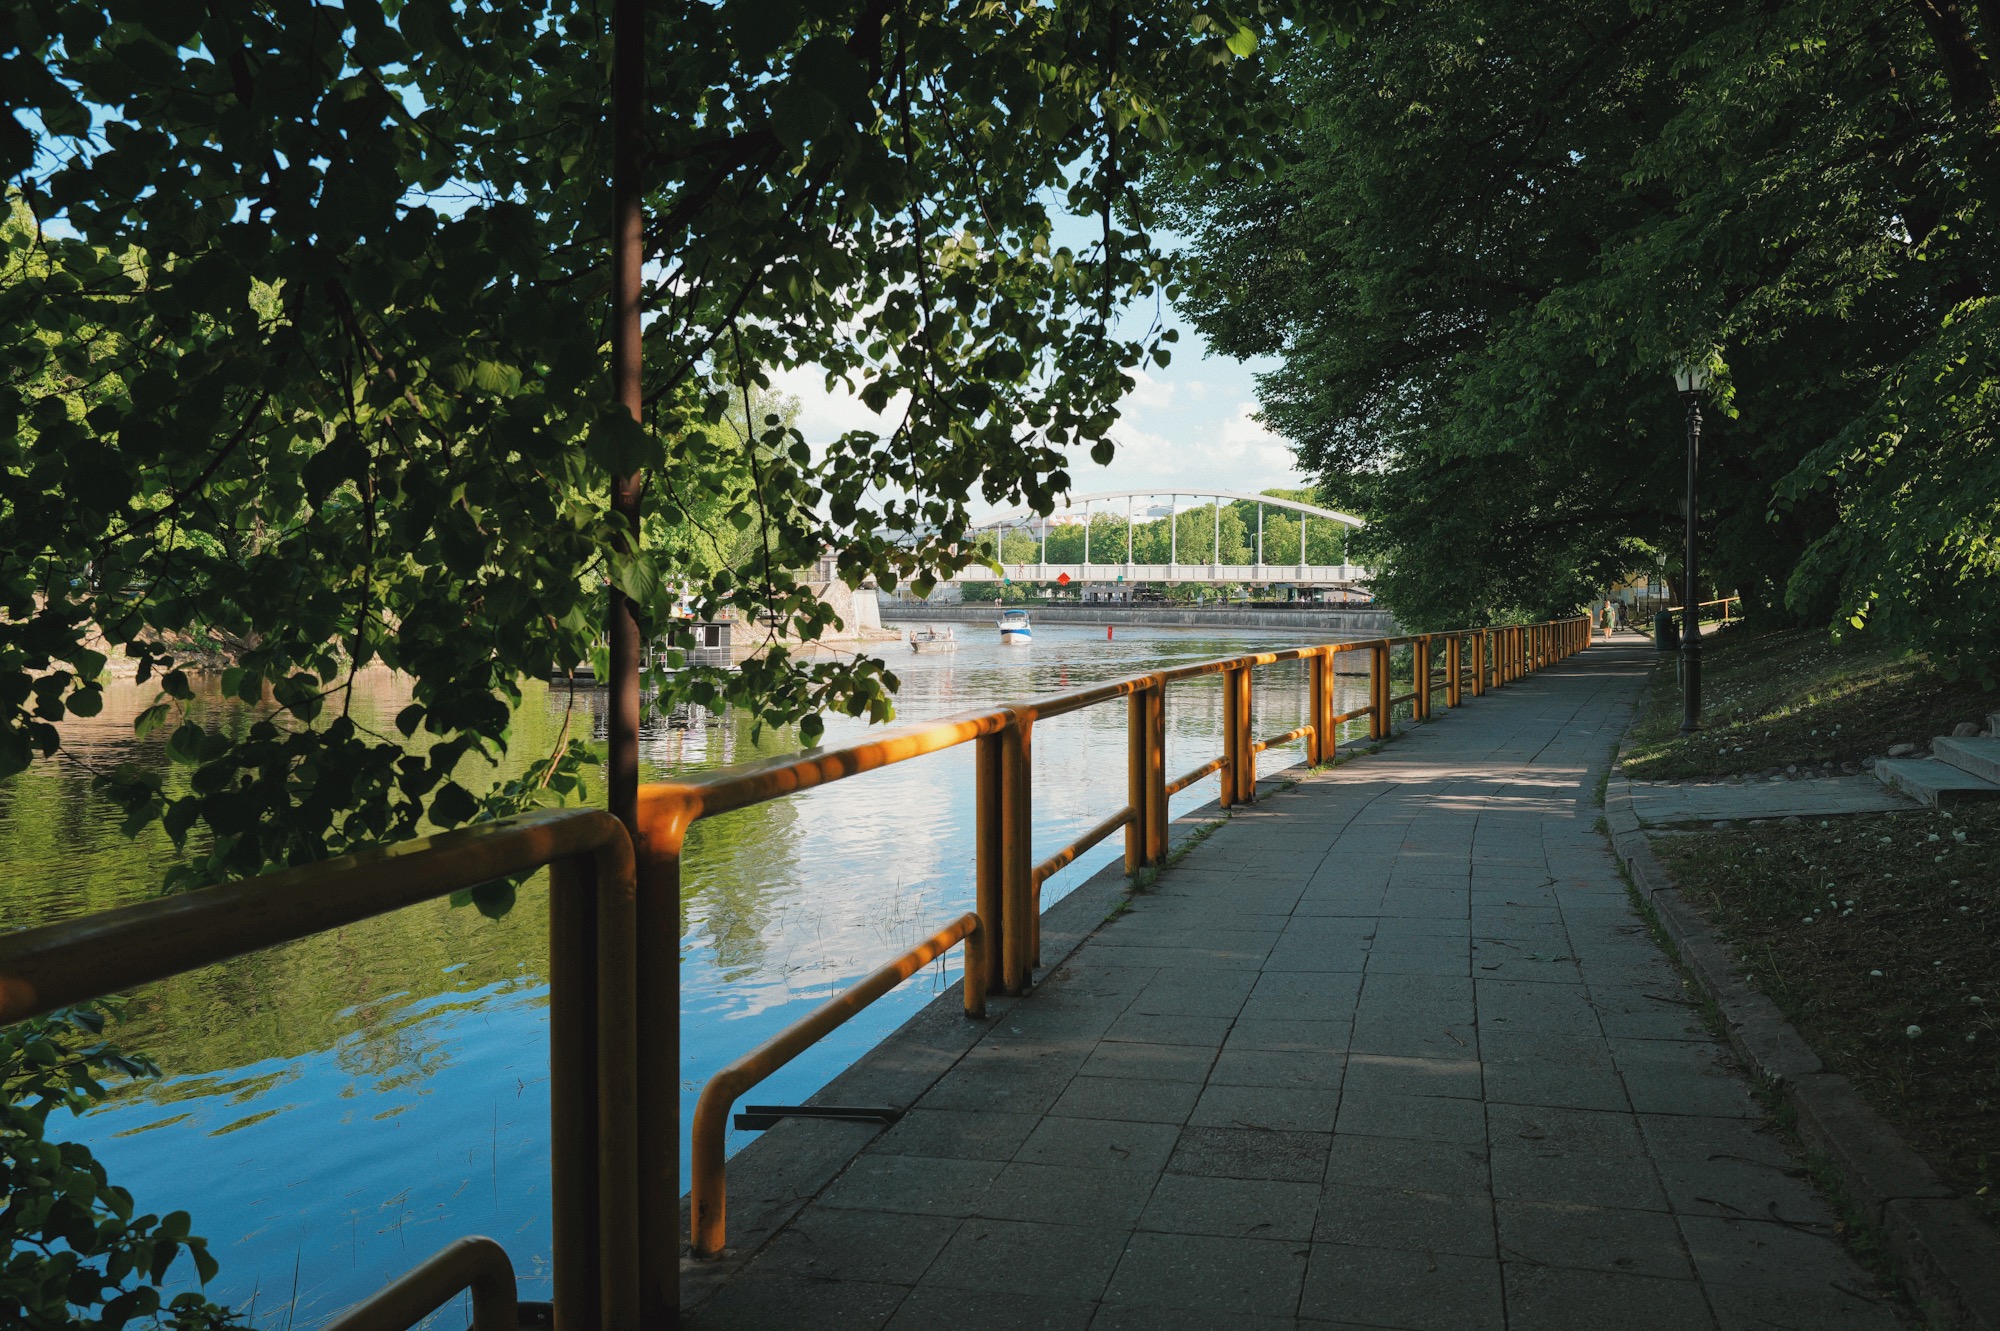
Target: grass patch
[(1794, 697), (1862, 929)]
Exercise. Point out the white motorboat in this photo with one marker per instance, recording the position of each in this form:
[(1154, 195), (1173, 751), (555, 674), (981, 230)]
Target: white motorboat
[(1014, 630), (929, 639)]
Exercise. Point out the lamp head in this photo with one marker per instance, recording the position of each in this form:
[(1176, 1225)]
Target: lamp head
[(1691, 377)]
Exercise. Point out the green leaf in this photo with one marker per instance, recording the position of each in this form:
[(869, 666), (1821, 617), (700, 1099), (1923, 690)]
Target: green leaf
[(1242, 42), (453, 804), (147, 721)]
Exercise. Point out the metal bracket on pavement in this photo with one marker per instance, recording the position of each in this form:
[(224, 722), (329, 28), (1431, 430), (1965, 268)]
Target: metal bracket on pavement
[(756, 1118)]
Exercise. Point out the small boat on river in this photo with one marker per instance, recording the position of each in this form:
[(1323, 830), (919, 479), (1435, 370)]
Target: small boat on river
[(1014, 630), (929, 639)]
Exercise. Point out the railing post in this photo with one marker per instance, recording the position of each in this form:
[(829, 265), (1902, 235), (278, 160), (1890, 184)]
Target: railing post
[(1017, 868), (1420, 677), (989, 895), (657, 944), (575, 1064), (1454, 667), (1246, 745), (1479, 663), (1378, 691), (1156, 772), (1319, 745), (1138, 744), (1232, 761)]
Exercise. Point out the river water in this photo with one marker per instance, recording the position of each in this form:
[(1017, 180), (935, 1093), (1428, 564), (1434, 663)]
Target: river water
[(336, 1110)]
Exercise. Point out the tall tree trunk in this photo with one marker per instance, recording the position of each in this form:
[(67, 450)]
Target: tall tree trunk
[(627, 100)]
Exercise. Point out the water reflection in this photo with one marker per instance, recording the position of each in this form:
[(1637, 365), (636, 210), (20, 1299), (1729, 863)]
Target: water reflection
[(337, 1108)]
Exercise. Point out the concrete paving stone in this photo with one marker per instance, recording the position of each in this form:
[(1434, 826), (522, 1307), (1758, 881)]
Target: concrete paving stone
[(753, 1303), (1232, 1207), (1209, 938), (1448, 935), (1303, 995), (1767, 1254), (1284, 1108), (1431, 1117), (1545, 1154), (1412, 902), (1683, 1077), (1024, 1257), (1512, 921), (1600, 1238), (956, 1134), (1095, 1143), (1151, 1062), (984, 1083), (829, 1244), (1587, 1082), (1052, 1030), (1251, 1153), (1385, 1074), (1727, 1167), (1123, 1317), (1414, 1038), (916, 1185), (933, 1306), (1169, 1028), (1498, 896), (1397, 1288), (1405, 1162), (1333, 929), (1131, 1099), (1405, 1218), (1309, 954), (1196, 993), (1276, 1067), (1390, 992), (1338, 905), (1632, 1014), (1410, 961), (1187, 958), (1067, 1195), (1542, 1298), (1840, 1307), (1296, 1034), (1227, 1277)]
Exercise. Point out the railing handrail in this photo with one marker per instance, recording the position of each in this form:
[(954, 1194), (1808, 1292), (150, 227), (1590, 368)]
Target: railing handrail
[(594, 1136)]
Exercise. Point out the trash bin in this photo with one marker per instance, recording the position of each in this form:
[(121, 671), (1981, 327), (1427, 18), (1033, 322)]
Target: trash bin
[(1666, 632)]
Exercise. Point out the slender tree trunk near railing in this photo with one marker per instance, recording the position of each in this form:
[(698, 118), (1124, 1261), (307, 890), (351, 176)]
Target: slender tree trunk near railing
[(659, 1032), (627, 99)]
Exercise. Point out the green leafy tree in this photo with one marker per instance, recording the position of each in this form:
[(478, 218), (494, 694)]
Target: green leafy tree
[(302, 350), (76, 1253), (1476, 354)]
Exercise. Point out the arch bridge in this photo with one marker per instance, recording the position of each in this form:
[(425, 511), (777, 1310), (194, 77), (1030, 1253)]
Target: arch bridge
[(1139, 507)]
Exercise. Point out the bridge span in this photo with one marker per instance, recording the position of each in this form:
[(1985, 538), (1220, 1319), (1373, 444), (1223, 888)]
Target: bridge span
[(1140, 510)]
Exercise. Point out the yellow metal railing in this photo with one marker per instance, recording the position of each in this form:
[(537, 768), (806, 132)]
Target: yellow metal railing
[(1002, 936), (1704, 607), (614, 944), (593, 1053)]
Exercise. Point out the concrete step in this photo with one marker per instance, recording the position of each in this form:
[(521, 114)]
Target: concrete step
[(1937, 784), (1979, 756)]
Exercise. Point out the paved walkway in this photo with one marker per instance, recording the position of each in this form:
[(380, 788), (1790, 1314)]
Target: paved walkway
[(1390, 1049)]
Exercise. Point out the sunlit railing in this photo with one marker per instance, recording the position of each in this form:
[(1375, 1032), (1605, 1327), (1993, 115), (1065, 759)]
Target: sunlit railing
[(614, 944), (1706, 608)]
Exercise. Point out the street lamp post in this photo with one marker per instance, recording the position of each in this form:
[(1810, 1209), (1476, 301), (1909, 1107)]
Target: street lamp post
[(1691, 379)]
